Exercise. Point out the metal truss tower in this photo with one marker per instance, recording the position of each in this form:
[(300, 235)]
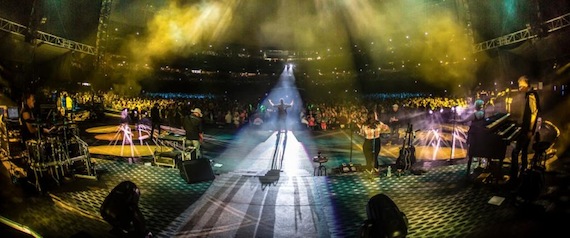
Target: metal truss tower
[(103, 32), (467, 20)]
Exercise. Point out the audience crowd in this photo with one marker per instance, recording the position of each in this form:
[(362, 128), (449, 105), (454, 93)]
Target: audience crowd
[(236, 112)]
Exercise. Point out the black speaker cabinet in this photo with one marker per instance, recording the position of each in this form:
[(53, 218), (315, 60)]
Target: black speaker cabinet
[(197, 170)]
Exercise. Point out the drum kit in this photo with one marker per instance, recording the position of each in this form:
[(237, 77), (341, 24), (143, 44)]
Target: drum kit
[(58, 154)]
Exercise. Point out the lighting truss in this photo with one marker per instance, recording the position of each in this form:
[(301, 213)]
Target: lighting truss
[(12, 27), (46, 38), (64, 43), (558, 23), (551, 25), (512, 38)]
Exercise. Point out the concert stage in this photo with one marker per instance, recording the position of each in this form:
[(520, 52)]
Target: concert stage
[(247, 199), (430, 145)]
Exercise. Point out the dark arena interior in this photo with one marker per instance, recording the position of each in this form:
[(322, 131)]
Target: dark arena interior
[(284, 118)]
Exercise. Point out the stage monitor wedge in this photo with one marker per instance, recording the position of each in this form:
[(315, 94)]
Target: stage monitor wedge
[(196, 170)]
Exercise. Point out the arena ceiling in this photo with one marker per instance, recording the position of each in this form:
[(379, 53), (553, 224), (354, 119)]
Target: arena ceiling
[(291, 24), (281, 24), (159, 29)]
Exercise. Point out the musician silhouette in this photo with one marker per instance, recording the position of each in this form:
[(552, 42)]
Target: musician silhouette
[(281, 113), (30, 129), (529, 125)]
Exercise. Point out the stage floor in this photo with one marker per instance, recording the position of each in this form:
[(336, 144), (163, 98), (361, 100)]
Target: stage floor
[(246, 200)]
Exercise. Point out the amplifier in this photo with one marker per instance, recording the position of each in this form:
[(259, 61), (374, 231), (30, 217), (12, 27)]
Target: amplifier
[(172, 158), (168, 159), (189, 154)]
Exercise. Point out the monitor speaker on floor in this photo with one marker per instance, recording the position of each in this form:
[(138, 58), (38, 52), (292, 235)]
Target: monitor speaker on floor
[(196, 170)]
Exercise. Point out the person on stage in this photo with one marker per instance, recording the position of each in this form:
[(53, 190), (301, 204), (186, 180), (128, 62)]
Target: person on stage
[(135, 116), (28, 122), (371, 130), (124, 125), (155, 119), (65, 103), (528, 123), (125, 117), (508, 100), (192, 124), (281, 113), (476, 120), (478, 115), (395, 123)]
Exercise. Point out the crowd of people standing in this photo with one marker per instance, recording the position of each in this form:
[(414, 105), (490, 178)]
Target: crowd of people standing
[(236, 112)]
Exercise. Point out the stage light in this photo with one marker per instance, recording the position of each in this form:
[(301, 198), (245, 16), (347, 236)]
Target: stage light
[(460, 109), (385, 219)]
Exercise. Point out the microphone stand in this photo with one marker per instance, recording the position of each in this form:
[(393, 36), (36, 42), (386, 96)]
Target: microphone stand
[(350, 167), (351, 134), (450, 161)]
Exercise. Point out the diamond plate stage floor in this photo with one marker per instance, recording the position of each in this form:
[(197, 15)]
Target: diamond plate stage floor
[(266, 188)]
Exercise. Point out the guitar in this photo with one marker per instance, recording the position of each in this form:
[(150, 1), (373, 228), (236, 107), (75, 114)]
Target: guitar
[(407, 155)]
